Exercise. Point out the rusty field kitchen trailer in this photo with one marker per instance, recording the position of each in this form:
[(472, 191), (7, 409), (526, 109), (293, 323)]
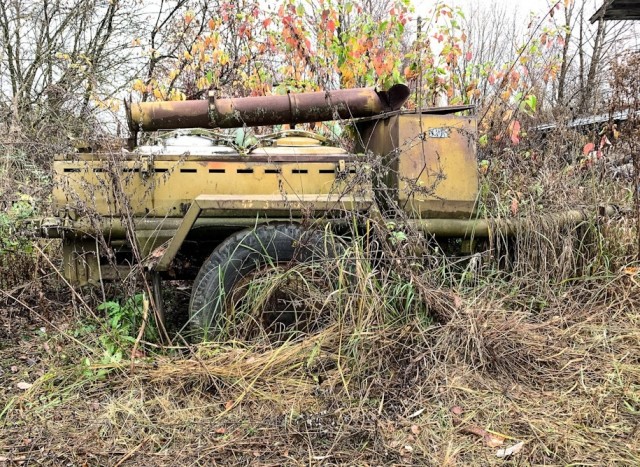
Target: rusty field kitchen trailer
[(199, 204)]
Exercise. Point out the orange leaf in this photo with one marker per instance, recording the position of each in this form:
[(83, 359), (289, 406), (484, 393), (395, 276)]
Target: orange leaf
[(331, 25), (588, 148), (514, 206), (515, 131), (493, 441)]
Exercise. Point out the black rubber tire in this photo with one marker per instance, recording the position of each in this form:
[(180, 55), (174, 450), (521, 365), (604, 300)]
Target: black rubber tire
[(239, 255)]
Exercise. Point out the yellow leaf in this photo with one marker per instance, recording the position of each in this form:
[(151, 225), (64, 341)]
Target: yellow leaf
[(138, 85)]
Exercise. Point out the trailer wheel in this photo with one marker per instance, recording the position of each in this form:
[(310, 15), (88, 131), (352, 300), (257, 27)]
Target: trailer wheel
[(268, 282)]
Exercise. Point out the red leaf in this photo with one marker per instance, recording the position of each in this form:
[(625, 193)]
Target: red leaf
[(515, 131), (588, 148), (468, 56), (266, 22), (331, 25)]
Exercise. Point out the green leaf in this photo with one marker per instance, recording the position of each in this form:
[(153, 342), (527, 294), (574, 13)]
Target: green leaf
[(110, 307), (532, 101)]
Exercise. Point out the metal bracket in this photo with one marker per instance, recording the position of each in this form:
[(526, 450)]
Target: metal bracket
[(145, 165), (317, 202)]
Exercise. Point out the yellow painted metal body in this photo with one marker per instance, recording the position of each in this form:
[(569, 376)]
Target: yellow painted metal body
[(171, 192), (432, 163), (165, 185)]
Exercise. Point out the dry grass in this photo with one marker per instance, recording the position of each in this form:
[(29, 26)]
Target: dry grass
[(555, 366)]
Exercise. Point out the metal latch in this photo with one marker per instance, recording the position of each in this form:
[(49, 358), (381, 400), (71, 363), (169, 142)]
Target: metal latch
[(145, 165), (342, 169)]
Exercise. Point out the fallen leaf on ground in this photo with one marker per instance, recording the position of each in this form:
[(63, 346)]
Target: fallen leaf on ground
[(415, 429), (228, 405), (24, 385), (510, 451), (457, 410), (491, 440), (220, 431)]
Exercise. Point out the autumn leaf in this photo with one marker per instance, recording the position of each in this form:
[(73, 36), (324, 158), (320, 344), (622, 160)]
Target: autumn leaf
[(331, 26), (514, 206), (188, 17), (514, 131), (493, 441), (588, 148)]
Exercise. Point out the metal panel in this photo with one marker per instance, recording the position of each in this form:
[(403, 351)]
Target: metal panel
[(171, 185), (433, 169)]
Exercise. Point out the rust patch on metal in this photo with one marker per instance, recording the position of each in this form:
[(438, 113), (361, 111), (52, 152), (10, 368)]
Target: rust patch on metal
[(268, 110)]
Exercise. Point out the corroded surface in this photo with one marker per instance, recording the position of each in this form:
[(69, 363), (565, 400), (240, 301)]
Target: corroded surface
[(268, 110)]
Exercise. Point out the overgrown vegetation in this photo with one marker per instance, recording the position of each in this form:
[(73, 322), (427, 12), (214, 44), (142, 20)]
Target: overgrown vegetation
[(413, 357), (419, 362)]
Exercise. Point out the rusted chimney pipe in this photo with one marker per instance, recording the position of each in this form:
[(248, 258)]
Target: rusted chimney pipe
[(267, 110)]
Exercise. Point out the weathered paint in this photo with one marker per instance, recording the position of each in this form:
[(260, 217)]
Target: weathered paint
[(432, 162), (172, 183)]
